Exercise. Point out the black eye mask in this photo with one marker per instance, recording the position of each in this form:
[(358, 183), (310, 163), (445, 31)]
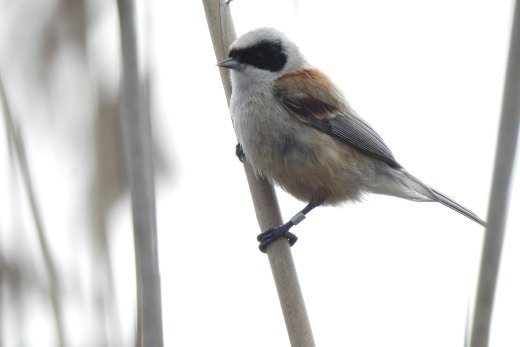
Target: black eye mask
[(266, 55)]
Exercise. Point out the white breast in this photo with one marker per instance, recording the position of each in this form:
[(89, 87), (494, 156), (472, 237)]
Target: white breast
[(262, 127)]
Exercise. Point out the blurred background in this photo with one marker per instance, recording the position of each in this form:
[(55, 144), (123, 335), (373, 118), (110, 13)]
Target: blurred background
[(427, 75)]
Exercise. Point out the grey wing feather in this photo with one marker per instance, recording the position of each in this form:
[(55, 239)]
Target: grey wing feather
[(346, 126), (353, 130)]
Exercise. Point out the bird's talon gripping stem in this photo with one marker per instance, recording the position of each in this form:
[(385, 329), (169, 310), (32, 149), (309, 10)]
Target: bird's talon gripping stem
[(273, 234)]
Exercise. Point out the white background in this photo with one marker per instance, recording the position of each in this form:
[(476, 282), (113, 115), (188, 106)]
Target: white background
[(428, 76)]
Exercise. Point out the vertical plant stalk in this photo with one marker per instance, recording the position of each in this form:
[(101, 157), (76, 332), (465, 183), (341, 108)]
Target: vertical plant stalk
[(137, 143), (267, 210), (16, 143), (497, 213)]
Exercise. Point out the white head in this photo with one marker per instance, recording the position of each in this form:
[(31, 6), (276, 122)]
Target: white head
[(262, 55)]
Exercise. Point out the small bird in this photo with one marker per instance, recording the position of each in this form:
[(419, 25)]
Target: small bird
[(296, 129)]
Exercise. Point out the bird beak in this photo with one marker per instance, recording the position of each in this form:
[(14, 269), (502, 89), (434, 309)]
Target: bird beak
[(229, 63)]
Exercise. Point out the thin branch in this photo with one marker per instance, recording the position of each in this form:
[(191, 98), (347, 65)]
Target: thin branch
[(17, 144), (267, 211), (500, 189), (137, 142)]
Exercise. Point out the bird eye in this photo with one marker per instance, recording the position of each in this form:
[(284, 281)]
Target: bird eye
[(258, 57)]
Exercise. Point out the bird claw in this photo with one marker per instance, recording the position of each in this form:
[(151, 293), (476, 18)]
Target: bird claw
[(239, 152), (274, 233)]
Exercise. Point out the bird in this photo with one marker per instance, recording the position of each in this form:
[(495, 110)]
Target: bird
[(296, 129)]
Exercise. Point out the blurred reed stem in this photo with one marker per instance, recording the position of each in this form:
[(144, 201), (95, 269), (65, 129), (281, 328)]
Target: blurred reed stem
[(137, 144), (16, 144)]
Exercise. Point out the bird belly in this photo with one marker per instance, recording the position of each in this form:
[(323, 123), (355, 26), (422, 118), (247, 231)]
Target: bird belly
[(326, 173)]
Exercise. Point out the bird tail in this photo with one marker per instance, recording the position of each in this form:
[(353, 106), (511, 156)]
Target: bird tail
[(434, 195), (447, 201)]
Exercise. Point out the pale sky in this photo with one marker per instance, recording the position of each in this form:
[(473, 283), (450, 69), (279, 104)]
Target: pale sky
[(428, 76)]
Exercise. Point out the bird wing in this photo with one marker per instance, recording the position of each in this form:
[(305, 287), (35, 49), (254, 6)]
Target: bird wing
[(311, 97)]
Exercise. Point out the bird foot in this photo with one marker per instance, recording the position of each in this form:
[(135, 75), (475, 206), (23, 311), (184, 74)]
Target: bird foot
[(274, 233)]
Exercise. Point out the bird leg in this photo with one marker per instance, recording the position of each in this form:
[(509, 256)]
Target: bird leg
[(274, 233)]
